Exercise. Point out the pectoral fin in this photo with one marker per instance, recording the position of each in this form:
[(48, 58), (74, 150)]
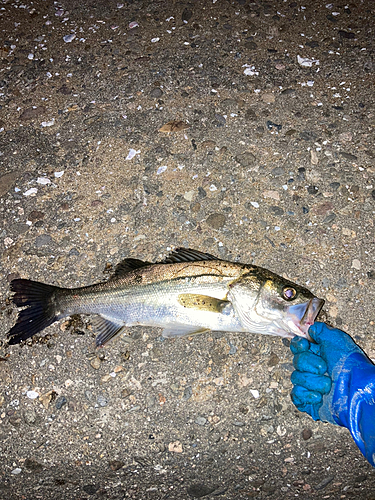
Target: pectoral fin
[(179, 330), (202, 302), (106, 328)]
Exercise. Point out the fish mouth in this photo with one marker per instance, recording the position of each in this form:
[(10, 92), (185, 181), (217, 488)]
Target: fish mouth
[(304, 315)]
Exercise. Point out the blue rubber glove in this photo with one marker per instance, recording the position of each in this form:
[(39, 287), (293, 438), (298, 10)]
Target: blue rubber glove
[(334, 381)]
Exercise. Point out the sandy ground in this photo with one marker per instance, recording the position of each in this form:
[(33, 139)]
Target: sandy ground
[(272, 163)]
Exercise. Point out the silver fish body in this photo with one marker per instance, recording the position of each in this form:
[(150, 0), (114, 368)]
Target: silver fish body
[(189, 292)]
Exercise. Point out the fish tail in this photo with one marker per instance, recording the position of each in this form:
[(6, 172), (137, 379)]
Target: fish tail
[(40, 310)]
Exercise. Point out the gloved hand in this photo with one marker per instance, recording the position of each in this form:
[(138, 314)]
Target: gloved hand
[(334, 381)]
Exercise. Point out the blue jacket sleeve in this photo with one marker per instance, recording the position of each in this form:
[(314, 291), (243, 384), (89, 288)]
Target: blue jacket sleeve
[(353, 404)]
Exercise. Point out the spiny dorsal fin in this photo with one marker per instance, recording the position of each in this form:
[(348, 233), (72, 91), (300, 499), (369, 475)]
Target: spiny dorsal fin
[(187, 255), (128, 265)]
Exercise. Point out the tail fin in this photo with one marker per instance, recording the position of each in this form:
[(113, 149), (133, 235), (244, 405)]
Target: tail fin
[(39, 313)]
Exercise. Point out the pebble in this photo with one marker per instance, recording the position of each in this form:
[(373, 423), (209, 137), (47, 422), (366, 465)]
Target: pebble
[(273, 126), (60, 402), (356, 264), (95, 363), (156, 93), (246, 159), (102, 401), (175, 447), (306, 434), (325, 482), (200, 420), (43, 240), (188, 392), (216, 221), (16, 471), (199, 490)]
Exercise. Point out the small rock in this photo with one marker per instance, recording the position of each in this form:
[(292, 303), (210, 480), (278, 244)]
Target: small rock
[(188, 392), (199, 490), (90, 489), (43, 240), (102, 401), (246, 159), (356, 264), (60, 402), (348, 156), (306, 434), (312, 190), (16, 471), (95, 363), (32, 113), (273, 360), (29, 417), (116, 465), (175, 447), (200, 420), (33, 465), (325, 482), (273, 126), (216, 221), (156, 93)]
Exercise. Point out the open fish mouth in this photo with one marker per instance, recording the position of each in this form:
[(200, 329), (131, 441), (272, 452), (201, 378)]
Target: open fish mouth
[(304, 315)]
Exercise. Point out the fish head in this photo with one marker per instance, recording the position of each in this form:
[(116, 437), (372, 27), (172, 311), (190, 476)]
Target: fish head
[(270, 304)]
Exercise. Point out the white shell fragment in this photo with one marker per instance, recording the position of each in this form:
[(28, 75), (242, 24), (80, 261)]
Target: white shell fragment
[(32, 394), (49, 123), (305, 62), (132, 153), (69, 38), (43, 180), (30, 192), (255, 393)]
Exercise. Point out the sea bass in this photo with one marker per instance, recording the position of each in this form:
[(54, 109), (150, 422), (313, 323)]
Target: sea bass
[(188, 292)]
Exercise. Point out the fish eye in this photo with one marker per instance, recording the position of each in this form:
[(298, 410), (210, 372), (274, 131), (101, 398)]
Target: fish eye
[(289, 293)]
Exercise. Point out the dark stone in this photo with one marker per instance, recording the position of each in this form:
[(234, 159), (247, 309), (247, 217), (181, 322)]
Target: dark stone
[(273, 360), (312, 190), (348, 156), (305, 210), (156, 93), (187, 15), (276, 210), (325, 482), (341, 283), (33, 465), (43, 240), (313, 44), (306, 434), (188, 392), (90, 489), (330, 218), (273, 126), (74, 252), (250, 115), (346, 34), (286, 342), (251, 45), (373, 194), (288, 91), (308, 135), (60, 402), (219, 121), (371, 275), (334, 185), (199, 490), (116, 465)]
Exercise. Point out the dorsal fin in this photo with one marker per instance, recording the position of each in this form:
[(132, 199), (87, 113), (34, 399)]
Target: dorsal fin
[(187, 255), (128, 265)]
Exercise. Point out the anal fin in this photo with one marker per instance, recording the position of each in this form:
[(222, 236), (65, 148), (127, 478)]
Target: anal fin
[(106, 328)]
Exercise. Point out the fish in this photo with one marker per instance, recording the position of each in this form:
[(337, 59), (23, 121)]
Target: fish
[(187, 293)]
